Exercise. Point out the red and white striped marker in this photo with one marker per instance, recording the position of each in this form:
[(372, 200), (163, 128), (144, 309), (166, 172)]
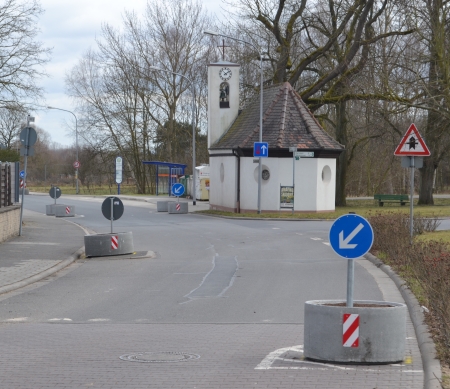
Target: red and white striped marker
[(350, 332), (67, 210), (178, 207), (114, 242), (21, 184)]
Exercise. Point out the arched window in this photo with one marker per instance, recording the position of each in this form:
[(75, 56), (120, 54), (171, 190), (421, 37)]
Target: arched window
[(224, 95)]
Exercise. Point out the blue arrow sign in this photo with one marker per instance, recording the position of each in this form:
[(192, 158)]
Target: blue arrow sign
[(260, 149), (177, 189), (22, 174), (351, 236)]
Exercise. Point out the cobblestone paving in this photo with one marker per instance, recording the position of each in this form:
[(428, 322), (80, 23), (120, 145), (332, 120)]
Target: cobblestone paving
[(24, 269), (88, 356)]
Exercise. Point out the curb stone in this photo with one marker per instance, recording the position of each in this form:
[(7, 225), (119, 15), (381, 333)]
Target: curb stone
[(431, 365), (37, 277)]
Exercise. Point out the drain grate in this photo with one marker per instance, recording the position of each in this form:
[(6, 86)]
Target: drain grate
[(159, 357)]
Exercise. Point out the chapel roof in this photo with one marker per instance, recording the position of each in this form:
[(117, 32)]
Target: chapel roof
[(287, 122)]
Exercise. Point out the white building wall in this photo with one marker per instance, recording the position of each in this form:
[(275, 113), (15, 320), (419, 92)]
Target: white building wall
[(223, 182), (312, 193), (326, 184)]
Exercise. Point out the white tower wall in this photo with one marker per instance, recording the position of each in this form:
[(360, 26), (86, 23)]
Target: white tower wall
[(220, 119)]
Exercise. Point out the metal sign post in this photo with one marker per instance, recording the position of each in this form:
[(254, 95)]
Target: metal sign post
[(293, 150), (112, 213), (112, 209), (28, 138), (351, 237), (411, 145), (119, 168)]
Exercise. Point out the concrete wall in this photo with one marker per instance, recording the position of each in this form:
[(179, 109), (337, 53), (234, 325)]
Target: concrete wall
[(9, 222)]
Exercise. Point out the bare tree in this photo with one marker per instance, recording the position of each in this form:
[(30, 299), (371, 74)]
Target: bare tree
[(321, 48), (11, 123), (126, 105), (21, 55)]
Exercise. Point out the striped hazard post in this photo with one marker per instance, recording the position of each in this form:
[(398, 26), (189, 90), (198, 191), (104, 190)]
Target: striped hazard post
[(178, 207), (67, 210), (114, 242), (350, 332)]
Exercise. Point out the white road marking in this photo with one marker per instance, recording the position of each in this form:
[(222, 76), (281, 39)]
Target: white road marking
[(60, 319), (267, 362), (327, 243), (35, 243), (316, 238), (275, 228), (97, 320), (18, 319)]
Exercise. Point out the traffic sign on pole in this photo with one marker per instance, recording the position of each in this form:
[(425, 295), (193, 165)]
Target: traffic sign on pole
[(412, 144), (76, 164), (22, 174), (351, 236), (260, 149), (178, 189)]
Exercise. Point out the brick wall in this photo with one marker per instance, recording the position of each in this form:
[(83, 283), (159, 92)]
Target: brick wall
[(9, 222)]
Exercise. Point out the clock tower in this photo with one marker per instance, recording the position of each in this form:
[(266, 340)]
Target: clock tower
[(223, 98)]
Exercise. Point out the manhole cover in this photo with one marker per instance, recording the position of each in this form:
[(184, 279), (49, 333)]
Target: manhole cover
[(159, 357)]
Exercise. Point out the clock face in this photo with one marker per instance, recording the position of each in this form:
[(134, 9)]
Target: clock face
[(225, 74)]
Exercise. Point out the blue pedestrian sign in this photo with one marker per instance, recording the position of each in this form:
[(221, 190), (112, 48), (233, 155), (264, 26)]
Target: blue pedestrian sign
[(178, 189), (22, 174), (260, 149), (351, 236)]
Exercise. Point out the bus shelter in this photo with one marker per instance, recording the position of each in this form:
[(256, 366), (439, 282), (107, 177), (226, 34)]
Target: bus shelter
[(167, 174)]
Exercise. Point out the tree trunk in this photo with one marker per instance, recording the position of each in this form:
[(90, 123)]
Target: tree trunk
[(426, 182), (342, 164)]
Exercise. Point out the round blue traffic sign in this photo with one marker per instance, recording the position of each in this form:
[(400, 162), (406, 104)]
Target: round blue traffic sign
[(351, 236), (178, 189), (22, 174)]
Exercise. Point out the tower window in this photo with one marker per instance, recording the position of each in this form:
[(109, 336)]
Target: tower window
[(224, 95)]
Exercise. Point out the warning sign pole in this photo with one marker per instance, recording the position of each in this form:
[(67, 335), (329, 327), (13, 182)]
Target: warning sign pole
[(411, 203)]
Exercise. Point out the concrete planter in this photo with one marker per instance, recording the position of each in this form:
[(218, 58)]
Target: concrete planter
[(64, 210), (382, 331), (50, 209), (100, 245), (162, 206), (172, 208)]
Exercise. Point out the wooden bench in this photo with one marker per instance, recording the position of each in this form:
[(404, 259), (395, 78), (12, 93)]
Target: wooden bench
[(388, 198)]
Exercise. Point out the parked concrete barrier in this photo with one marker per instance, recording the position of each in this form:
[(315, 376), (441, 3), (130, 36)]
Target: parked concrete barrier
[(382, 331), (64, 210), (100, 245), (172, 207)]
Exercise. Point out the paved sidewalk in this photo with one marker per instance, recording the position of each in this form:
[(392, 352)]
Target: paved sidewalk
[(47, 244)]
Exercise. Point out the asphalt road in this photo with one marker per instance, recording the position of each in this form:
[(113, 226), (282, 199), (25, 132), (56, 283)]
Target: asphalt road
[(228, 291)]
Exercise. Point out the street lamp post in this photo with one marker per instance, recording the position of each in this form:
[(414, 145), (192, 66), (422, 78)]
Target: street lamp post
[(213, 33), (194, 199), (76, 141)]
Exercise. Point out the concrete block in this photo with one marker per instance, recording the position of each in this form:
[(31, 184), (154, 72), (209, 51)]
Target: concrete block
[(162, 206), (50, 209), (64, 210), (382, 331), (100, 245), (172, 207)]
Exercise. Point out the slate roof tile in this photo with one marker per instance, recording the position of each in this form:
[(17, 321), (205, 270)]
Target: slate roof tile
[(287, 122)]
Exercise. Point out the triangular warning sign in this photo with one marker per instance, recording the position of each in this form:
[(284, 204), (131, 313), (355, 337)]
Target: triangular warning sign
[(412, 144)]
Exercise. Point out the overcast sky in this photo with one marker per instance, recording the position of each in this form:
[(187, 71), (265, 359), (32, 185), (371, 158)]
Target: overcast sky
[(70, 27)]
